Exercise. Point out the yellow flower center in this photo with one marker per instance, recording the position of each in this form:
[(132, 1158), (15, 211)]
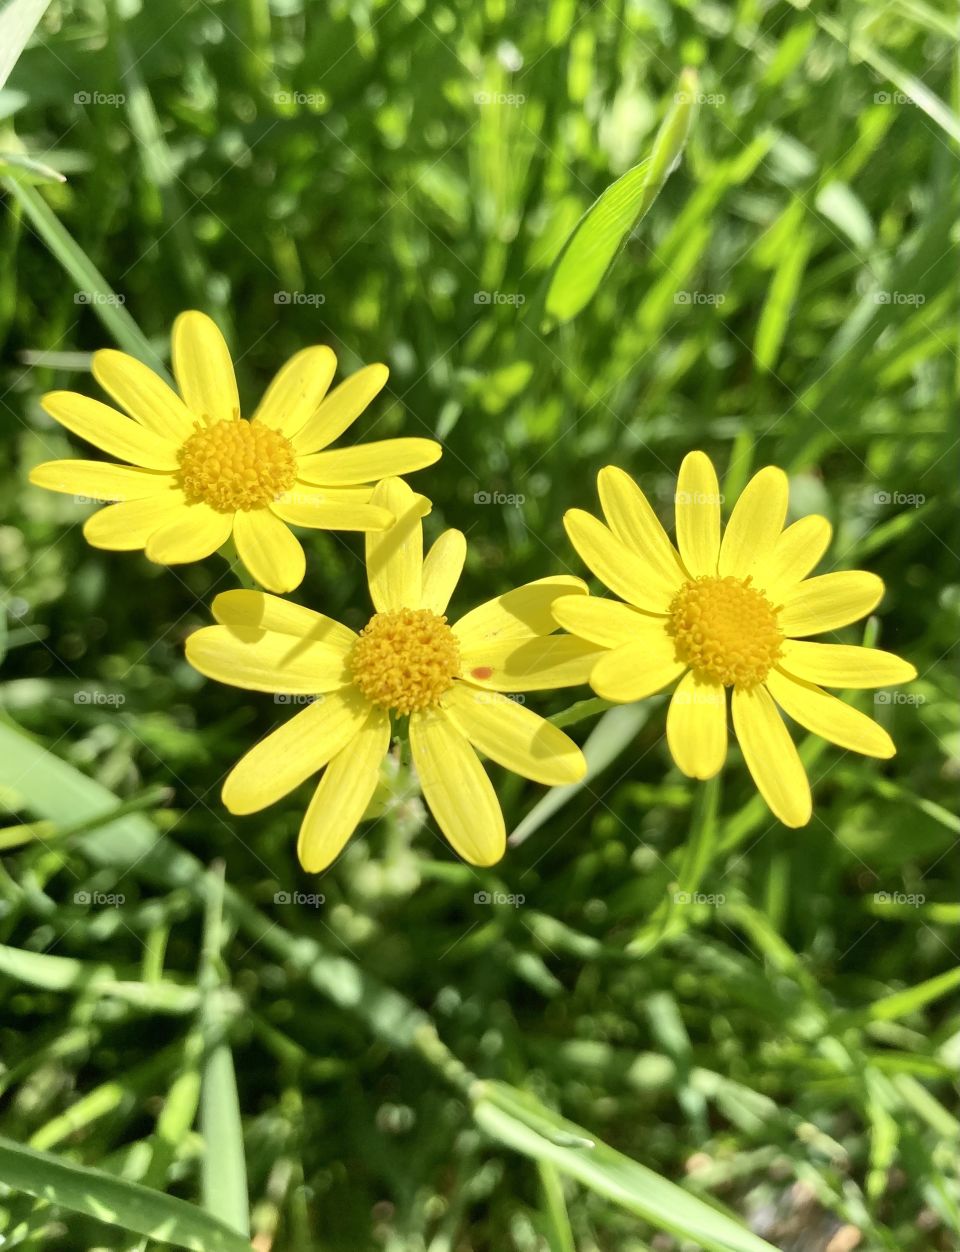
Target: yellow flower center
[(725, 630), (405, 660), (236, 465)]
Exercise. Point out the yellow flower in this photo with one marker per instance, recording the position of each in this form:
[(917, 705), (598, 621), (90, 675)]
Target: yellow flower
[(407, 661), (204, 474), (730, 613)]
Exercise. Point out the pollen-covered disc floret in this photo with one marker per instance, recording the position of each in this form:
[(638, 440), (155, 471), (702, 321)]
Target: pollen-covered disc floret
[(236, 465), (725, 630), (405, 660)]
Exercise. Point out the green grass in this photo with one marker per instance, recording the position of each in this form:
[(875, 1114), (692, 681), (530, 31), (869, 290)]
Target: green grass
[(400, 1067)]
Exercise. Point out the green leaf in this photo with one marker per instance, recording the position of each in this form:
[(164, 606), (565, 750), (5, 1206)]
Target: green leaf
[(783, 289), (63, 973), (112, 1200), (606, 224), (18, 20)]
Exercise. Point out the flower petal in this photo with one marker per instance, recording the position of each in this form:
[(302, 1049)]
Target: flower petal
[(796, 552), (635, 670), (755, 524), (634, 522), (513, 736), (395, 556), (841, 665), (771, 755), (829, 717), (190, 535), (618, 567), (829, 601), (341, 409), (289, 755), (101, 480), (698, 515), (330, 508), (540, 663), (127, 526), (262, 660), (368, 462), (269, 549), (257, 610), (442, 568), (518, 615), (107, 429), (203, 369), (345, 791), (457, 789), (607, 623), (697, 727), (144, 395), (297, 390)]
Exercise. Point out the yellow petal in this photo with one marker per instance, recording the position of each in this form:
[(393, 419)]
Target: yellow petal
[(755, 524), (144, 395), (513, 736), (457, 789), (698, 515), (541, 663), (262, 660), (290, 754), (829, 717), (269, 549), (697, 727), (341, 409), (829, 601), (297, 390), (634, 522), (395, 556), (796, 552), (190, 535), (107, 429), (607, 623), (840, 665), (618, 567), (771, 756), (635, 670), (442, 568), (101, 480), (368, 462), (127, 526), (517, 615), (330, 508), (343, 795), (203, 369), (259, 611)]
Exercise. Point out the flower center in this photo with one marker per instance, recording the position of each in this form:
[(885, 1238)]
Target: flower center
[(236, 465), (405, 660), (725, 630)]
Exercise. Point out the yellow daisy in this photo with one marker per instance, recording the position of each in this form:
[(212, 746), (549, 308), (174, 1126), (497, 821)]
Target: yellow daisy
[(728, 613), (199, 474), (407, 661)]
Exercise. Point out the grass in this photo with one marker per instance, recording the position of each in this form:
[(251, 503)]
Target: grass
[(401, 1065)]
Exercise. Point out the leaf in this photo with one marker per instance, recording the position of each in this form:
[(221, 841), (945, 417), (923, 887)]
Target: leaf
[(18, 20), (113, 1200), (782, 292), (606, 224), (522, 1123), (63, 973)]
